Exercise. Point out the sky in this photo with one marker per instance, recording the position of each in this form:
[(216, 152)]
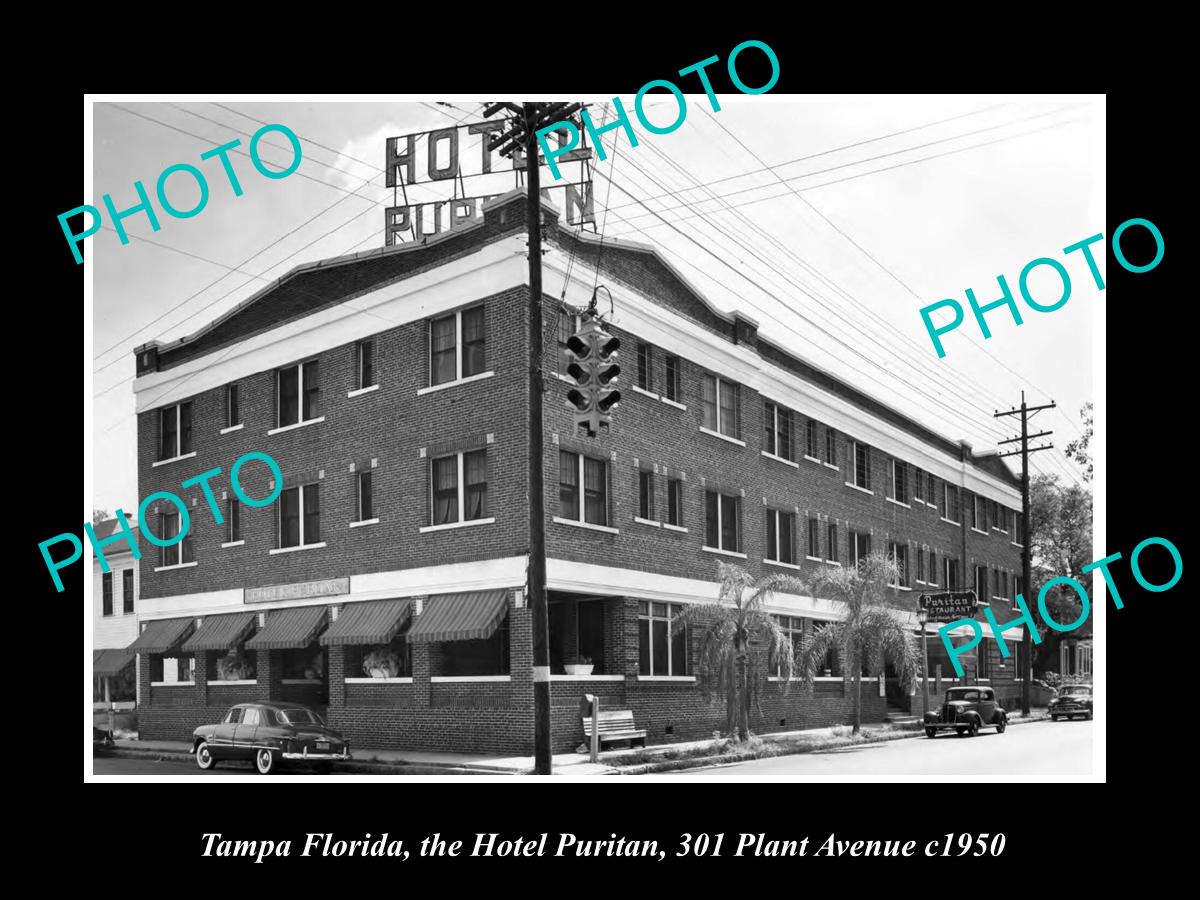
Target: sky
[(830, 221)]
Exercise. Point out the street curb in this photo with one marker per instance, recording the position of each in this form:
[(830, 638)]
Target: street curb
[(363, 767), (697, 762)]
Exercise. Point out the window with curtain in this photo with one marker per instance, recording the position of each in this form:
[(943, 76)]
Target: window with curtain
[(176, 554), (708, 402), (675, 502), (175, 430), (781, 528), (672, 390), (899, 481), (443, 350), (474, 342), (645, 366), (568, 485), (722, 521), (730, 423), (299, 521), (646, 495), (777, 423), (445, 490), (106, 583), (299, 393), (475, 472), (595, 491)]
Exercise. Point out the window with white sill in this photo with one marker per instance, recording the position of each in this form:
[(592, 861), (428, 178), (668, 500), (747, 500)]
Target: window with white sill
[(298, 523), (458, 487), (777, 428), (582, 488), (814, 537), (175, 431), (180, 552), (898, 480), (457, 346), (675, 502), (364, 496), (720, 406), (862, 464), (781, 536), (722, 520), (233, 520), (673, 387), (646, 494), (365, 354), (661, 651), (298, 389)]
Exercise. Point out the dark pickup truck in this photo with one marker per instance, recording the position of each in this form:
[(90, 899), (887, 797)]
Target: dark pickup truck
[(966, 710)]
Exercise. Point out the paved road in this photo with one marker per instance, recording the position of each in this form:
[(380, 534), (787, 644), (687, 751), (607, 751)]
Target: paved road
[(1039, 748)]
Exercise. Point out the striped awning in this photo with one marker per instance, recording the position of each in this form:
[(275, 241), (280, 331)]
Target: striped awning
[(375, 622), (110, 662), (220, 632), (460, 617), (289, 629), (161, 635)]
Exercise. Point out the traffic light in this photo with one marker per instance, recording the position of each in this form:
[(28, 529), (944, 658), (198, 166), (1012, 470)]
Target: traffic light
[(593, 367)]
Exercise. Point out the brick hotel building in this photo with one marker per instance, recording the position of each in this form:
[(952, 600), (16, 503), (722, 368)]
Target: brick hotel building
[(385, 586)]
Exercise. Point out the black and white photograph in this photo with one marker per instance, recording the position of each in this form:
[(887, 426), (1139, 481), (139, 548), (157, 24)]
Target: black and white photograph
[(746, 436)]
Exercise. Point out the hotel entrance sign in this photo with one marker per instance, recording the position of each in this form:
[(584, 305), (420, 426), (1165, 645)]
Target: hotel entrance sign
[(455, 165)]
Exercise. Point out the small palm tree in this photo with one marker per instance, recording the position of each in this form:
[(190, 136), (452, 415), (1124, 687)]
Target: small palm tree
[(726, 665), (869, 633)]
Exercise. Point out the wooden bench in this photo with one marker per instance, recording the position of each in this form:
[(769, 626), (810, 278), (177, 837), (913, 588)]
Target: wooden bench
[(615, 726)]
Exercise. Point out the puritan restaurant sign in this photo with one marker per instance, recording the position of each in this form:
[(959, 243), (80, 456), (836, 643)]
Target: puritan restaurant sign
[(303, 590), (946, 606)]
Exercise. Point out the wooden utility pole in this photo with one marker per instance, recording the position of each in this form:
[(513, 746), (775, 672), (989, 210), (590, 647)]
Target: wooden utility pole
[(526, 119), (1026, 413)]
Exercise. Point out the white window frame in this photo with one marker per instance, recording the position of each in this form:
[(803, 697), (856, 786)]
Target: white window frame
[(893, 552), (946, 503), (582, 495), (374, 379), (673, 609), (458, 347), (299, 489), (678, 398), (178, 454), (300, 420), (719, 431), (462, 521), (776, 558), (776, 408), (855, 445), (788, 631), (738, 538), (892, 481)]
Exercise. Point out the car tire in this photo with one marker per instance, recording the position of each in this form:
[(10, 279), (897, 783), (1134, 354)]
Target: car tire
[(1054, 718), (264, 761), (930, 732), (204, 757), (973, 728), (1088, 717), (960, 731), (1002, 725)]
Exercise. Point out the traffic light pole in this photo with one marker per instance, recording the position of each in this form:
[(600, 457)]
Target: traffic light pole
[(537, 502)]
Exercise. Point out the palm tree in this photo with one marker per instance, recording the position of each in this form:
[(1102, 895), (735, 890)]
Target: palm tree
[(869, 634), (726, 664)]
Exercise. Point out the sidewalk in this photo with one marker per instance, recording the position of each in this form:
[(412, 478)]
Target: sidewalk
[(636, 760)]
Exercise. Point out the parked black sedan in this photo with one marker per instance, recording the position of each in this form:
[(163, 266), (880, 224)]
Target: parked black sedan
[(270, 734), (1072, 700)]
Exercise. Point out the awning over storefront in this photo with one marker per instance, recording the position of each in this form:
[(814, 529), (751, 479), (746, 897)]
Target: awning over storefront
[(220, 632), (289, 629), (109, 663), (460, 617), (161, 635), (375, 622)]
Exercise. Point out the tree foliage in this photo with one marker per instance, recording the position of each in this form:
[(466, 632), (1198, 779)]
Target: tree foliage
[(870, 633), (727, 665), (1080, 449), (1060, 531)]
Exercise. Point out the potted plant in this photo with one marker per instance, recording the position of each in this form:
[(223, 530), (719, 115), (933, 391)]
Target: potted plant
[(581, 665), (381, 663), (233, 666)]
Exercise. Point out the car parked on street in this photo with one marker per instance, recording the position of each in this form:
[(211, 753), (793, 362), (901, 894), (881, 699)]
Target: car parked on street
[(270, 734), (1072, 700), (966, 710)]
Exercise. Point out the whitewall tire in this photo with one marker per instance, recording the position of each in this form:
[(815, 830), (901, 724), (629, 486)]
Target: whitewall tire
[(204, 757), (264, 761)]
